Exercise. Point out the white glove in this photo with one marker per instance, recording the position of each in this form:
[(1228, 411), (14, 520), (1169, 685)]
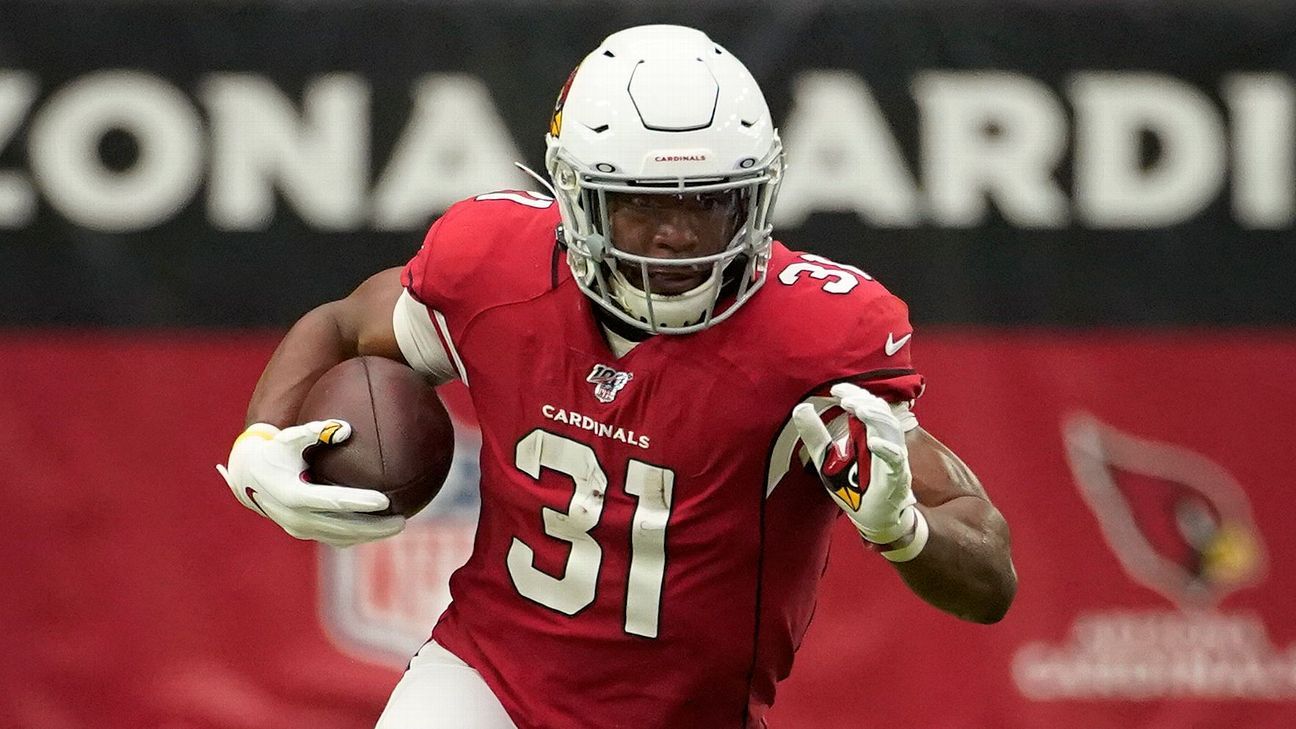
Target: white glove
[(884, 510), (267, 475)]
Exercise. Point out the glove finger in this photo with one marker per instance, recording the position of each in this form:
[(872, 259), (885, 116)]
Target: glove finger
[(887, 452), (298, 494), (331, 527), (843, 390), (225, 474), (342, 542), (354, 528), (864, 404), (316, 432), (877, 415), (813, 432)]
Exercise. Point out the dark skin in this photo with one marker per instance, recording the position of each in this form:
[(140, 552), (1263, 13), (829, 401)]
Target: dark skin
[(966, 568), (672, 226)]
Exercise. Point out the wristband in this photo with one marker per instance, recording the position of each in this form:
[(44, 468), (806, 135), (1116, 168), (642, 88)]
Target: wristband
[(914, 546)]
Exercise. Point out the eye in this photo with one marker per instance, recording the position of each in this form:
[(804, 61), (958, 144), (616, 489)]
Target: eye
[(636, 202), (714, 200)]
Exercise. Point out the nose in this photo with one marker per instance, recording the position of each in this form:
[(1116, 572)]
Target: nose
[(674, 236)]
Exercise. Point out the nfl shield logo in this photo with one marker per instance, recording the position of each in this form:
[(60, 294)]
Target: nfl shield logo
[(607, 382), (380, 600)]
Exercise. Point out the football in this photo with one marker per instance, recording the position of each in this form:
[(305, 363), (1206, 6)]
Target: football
[(402, 441)]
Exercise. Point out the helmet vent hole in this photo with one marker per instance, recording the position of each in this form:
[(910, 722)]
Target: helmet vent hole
[(609, 54), (599, 129), (747, 124), (718, 51)]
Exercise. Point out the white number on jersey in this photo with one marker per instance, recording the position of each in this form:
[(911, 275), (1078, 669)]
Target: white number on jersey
[(574, 591), (820, 268), (527, 198)]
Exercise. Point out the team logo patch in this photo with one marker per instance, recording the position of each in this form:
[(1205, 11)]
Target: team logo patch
[(607, 382)]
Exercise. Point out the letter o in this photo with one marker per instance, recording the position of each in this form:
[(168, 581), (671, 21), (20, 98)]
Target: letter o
[(64, 151)]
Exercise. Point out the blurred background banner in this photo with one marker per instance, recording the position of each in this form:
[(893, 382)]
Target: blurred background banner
[(1089, 206), (1036, 161)]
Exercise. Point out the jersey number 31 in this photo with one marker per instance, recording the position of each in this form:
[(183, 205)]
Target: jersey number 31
[(574, 591)]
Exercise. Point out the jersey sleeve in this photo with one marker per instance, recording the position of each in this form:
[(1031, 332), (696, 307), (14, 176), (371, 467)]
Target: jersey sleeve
[(432, 255), (419, 318), (485, 251), (422, 339), (877, 351), (482, 253)]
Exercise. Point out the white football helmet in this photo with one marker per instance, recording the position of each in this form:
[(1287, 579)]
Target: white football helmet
[(662, 109)]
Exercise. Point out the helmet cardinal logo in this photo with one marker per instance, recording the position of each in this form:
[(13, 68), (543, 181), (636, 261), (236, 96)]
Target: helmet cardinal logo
[(555, 121)]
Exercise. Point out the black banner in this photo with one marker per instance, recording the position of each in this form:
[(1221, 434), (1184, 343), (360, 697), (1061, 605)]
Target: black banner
[(1053, 163)]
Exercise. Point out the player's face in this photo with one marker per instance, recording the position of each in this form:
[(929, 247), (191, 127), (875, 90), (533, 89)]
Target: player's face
[(672, 226)]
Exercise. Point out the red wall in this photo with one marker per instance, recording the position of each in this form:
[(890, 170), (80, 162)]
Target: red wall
[(138, 593)]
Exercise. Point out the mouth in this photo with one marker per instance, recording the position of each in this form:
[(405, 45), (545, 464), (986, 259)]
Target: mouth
[(674, 281)]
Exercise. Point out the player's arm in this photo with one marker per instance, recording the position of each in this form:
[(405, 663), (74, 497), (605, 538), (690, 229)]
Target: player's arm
[(360, 324), (267, 462), (966, 566), (915, 502)]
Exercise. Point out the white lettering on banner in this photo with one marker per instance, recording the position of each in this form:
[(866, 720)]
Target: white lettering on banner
[(17, 197), (1113, 187), (456, 146), (1158, 655), (63, 148), (984, 139), (991, 136), (846, 158), (997, 137), (1262, 108), (260, 145)]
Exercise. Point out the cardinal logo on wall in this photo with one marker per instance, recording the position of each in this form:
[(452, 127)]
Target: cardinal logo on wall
[(1177, 521)]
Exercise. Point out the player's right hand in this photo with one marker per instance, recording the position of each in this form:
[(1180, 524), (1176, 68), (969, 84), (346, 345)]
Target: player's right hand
[(884, 508), (267, 473)]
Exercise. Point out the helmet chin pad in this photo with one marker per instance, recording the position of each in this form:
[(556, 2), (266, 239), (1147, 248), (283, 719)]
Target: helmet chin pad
[(669, 310)]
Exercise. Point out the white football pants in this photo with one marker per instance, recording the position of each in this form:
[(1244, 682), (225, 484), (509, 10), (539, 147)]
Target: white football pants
[(439, 691)]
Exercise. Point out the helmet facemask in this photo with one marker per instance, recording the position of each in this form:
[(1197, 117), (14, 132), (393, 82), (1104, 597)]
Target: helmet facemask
[(600, 267)]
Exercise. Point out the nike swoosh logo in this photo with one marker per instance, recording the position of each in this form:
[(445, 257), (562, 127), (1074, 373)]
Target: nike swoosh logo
[(893, 345), (251, 494)]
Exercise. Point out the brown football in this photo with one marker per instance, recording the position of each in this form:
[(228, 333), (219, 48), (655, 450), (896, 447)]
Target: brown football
[(401, 440)]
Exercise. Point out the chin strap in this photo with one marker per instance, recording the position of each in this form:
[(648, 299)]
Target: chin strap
[(622, 329), (677, 310)]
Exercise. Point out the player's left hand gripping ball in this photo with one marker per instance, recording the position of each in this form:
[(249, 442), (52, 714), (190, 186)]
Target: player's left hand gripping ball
[(266, 473), (884, 509)]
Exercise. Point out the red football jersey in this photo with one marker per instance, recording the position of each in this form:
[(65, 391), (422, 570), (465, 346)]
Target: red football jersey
[(649, 545)]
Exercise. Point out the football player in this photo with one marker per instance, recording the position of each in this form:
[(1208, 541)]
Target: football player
[(674, 410)]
